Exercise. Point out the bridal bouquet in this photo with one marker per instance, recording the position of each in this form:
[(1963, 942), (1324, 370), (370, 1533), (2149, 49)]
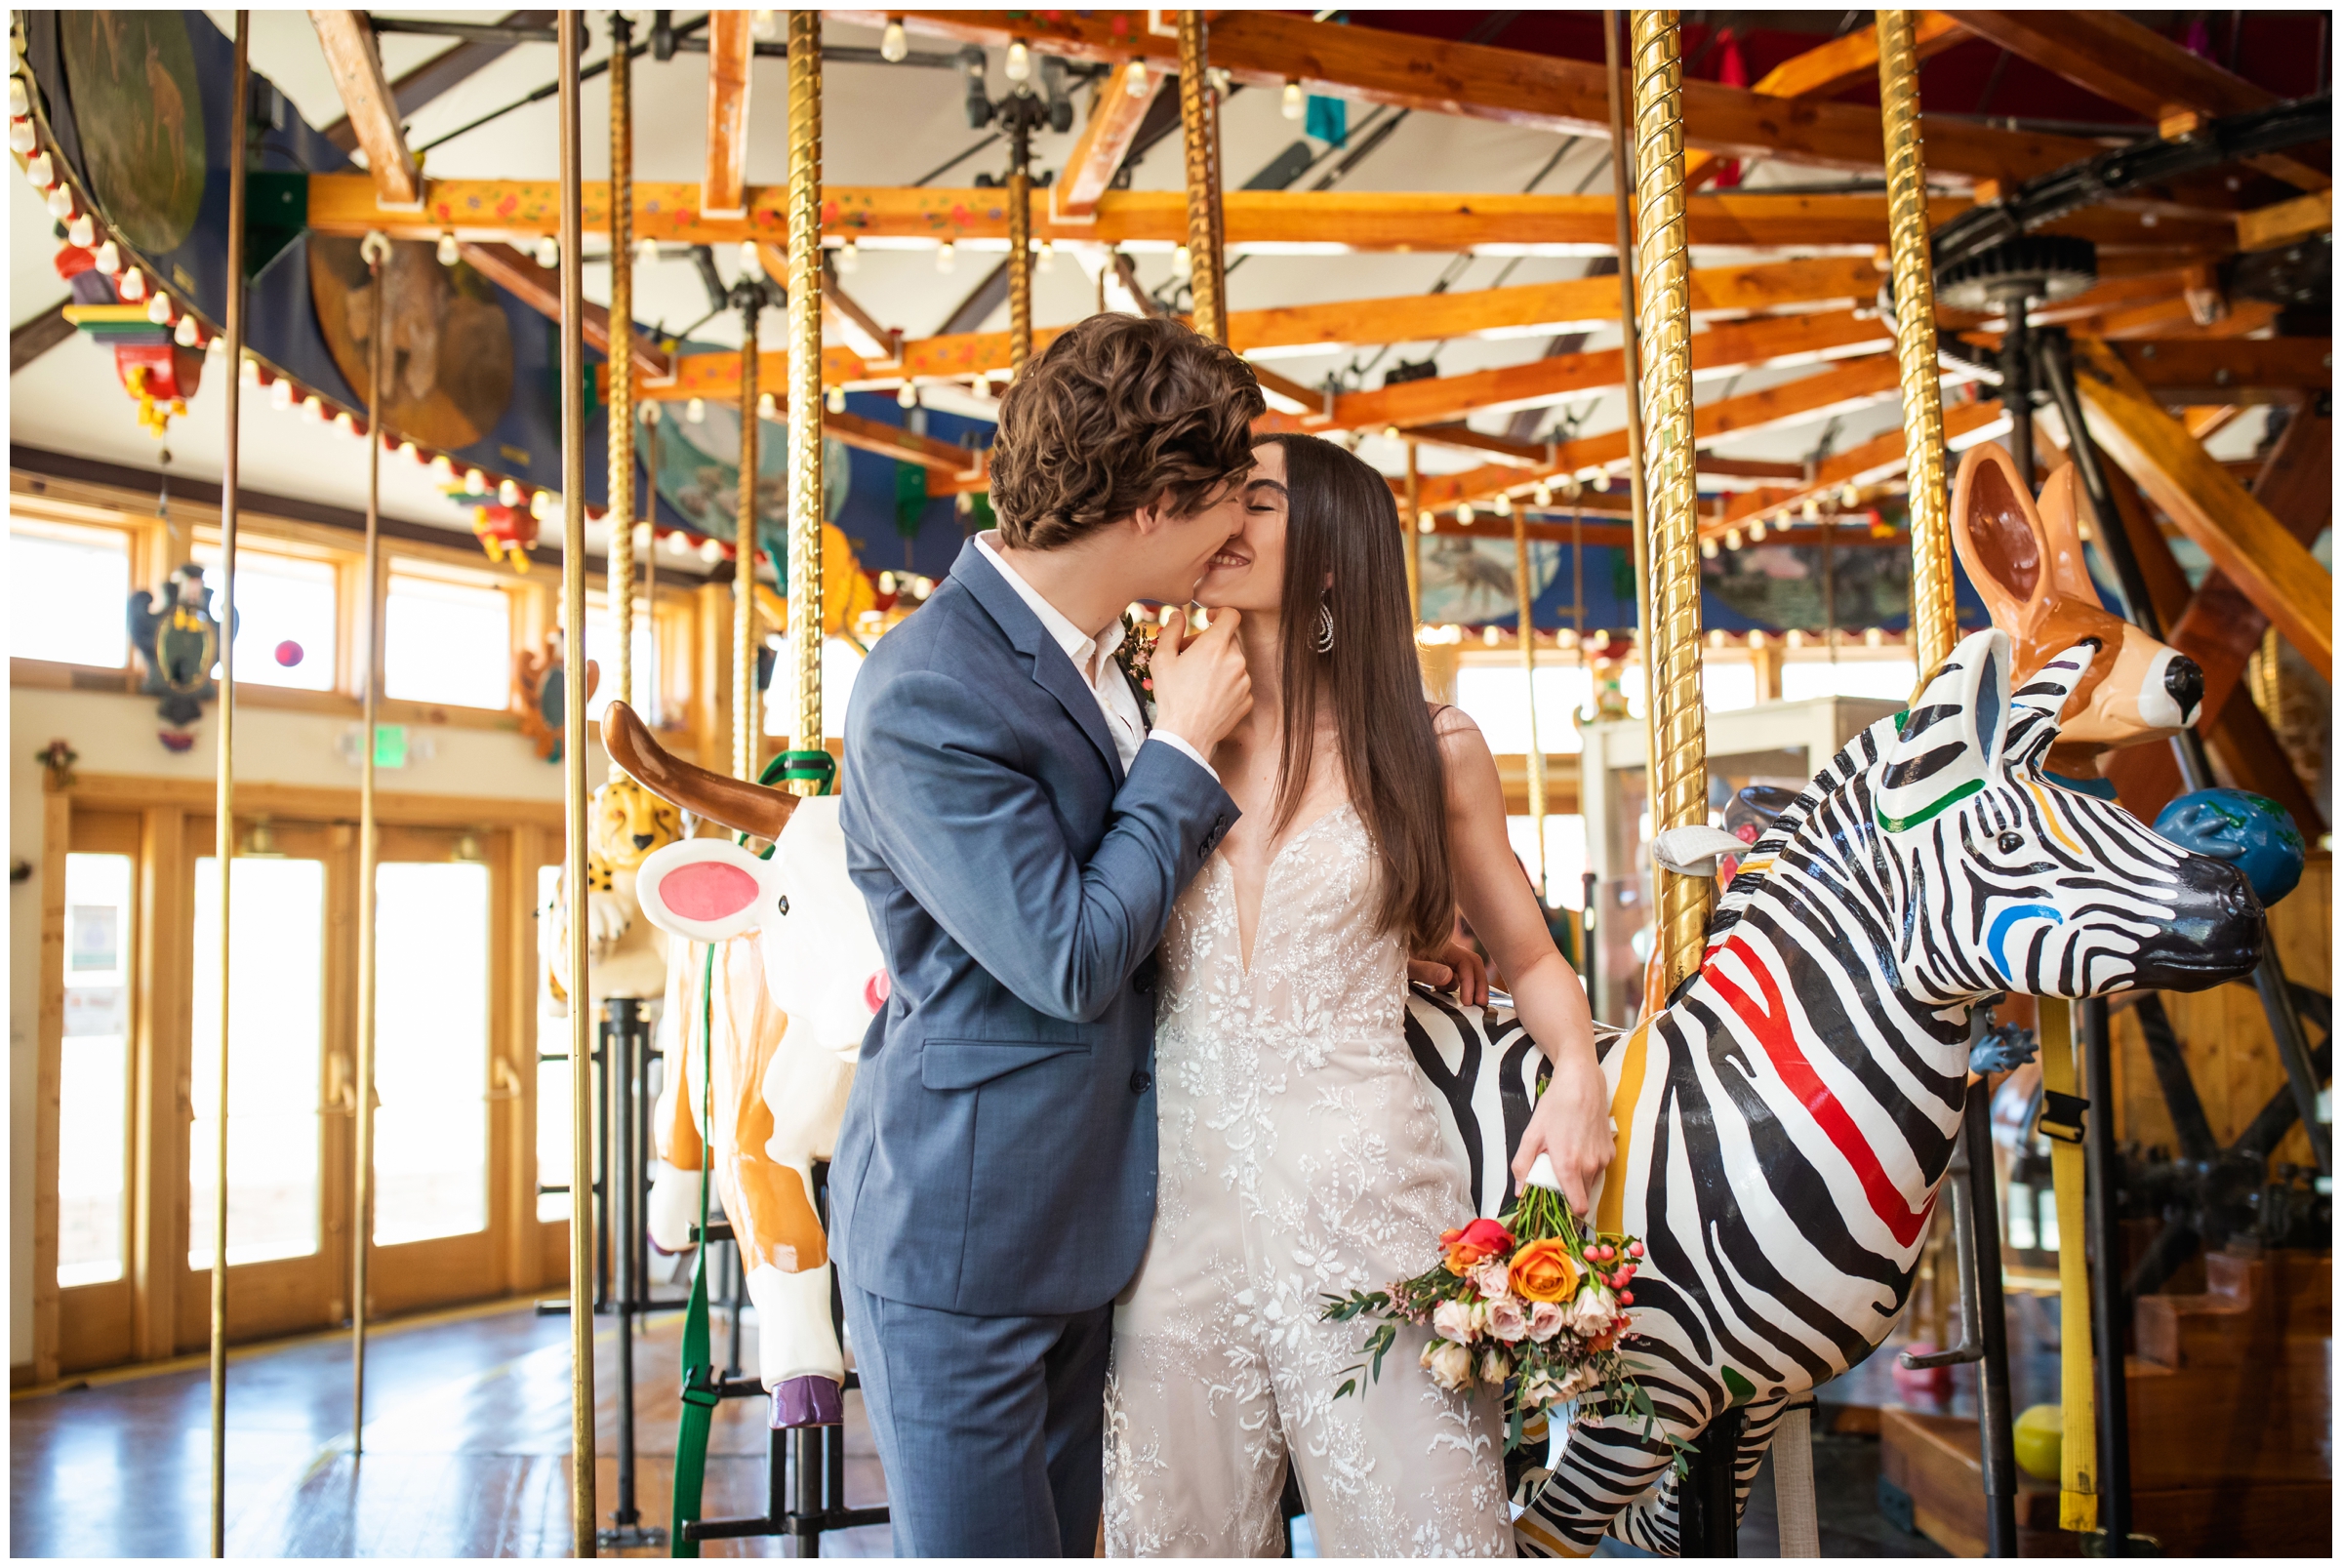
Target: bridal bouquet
[(1531, 1303)]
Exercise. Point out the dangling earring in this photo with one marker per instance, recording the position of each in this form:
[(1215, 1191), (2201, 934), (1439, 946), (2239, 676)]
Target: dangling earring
[(1325, 628)]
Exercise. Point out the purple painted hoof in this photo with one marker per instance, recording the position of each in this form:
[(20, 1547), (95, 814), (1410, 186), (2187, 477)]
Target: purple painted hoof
[(807, 1402)]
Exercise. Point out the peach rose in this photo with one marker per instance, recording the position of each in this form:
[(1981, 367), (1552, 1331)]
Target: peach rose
[(1544, 1271)]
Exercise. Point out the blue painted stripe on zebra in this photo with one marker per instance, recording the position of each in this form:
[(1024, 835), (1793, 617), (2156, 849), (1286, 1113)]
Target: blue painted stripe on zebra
[(1996, 936)]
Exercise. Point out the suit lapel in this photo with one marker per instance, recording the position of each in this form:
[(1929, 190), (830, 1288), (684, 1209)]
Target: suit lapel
[(1052, 671)]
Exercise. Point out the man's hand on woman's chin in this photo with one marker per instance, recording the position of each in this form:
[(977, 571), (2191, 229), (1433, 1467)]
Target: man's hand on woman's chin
[(1201, 688)]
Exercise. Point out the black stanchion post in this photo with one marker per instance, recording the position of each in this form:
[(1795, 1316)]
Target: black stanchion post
[(1994, 1418), (2106, 1281)]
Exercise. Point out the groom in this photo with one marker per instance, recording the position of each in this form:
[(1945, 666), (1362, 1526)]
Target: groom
[(1020, 835)]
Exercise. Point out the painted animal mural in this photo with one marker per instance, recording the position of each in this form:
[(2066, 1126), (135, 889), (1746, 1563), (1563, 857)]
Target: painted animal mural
[(795, 977), (1785, 1122), (625, 956)]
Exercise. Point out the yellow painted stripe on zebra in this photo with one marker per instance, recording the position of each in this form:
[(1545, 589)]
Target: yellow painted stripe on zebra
[(1544, 1538), (2041, 797), (1611, 1211)]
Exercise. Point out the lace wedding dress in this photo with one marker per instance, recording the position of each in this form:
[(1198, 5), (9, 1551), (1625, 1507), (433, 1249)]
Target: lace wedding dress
[(1301, 1158)]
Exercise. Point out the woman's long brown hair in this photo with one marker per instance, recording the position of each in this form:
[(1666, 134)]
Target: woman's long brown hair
[(1344, 551)]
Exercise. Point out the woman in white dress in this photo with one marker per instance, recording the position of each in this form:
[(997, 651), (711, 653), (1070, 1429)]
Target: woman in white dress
[(1301, 1156)]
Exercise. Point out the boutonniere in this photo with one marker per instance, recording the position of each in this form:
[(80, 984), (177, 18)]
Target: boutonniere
[(1136, 655)]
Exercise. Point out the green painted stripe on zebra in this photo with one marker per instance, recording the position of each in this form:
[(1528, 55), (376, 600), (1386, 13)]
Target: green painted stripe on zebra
[(1739, 1388), (1897, 825)]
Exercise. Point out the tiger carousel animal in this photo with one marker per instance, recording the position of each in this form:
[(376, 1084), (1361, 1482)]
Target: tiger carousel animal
[(625, 956), (1785, 1122)]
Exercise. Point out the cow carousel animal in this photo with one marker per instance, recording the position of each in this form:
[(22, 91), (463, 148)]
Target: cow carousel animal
[(1785, 1122), (770, 989)]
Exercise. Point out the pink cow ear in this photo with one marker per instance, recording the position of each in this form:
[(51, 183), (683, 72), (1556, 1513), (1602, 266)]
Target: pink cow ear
[(707, 890), (876, 989)]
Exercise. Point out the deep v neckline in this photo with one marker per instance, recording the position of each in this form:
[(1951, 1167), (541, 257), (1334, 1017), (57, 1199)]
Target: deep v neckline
[(1244, 950)]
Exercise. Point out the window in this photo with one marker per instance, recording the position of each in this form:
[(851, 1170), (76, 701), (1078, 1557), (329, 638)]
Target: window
[(1494, 694), (553, 1110), (1565, 856), (447, 642), (1890, 678), (93, 1083), (286, 612), (278, 1019), (840, 663), (68, 594), (601, 642), (430, 1050), (1727, 683)]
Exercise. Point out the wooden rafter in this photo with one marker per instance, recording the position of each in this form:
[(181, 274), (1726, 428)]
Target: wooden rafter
[(1881, 458), (944, 460), (1289, 222), (2126, 61), (2210, 370), (731, 66), (2266, 562), (1267, 49), (540, 289), (1115, 113), (348, 40), (2265, 229), (441, 73), (1831, 70)]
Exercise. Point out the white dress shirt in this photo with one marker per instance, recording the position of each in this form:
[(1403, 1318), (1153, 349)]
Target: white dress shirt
[(1093, 661)]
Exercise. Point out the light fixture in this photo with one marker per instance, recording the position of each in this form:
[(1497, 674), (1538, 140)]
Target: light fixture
[(1706, 550), (696, 410), (1543, 495), (20, 102), (409, 451), (1293, 105), (1601, 481), (1464, 512), (252, 370), (677, 542), (280, 394), (1018, 62), (1757, 531), (541, 504), (261, 842), (448, 254), (1504, 505), (133, 286), (508, 494), (1390, 432), (344, 423), (711, 550), (646, 250), (20, 137), (443, 467), (313, 409), (1045, 253), (1796, 639), (750, 260), (1183, 263), (549, 251), (893, 47), (944, 256), (1757, 638), (81, 232), (1137, 82), (40, 171), (1491, 637), (158, 310), (837, 400), (1812, 509), (1566, 638), (849, 256), (1425, 522), (468, 851), (907, 396), (764, 28), (61, 202), (764, 405), (1731, 539), (1715, 638), (886, 582), (1850, 497), (475, 483), (1874, 638), (1218, 79), (652, 412), (109, 257)]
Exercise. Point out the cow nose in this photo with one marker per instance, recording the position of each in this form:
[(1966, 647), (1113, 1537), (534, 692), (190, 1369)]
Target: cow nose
[(643, 840), (2183, 679)]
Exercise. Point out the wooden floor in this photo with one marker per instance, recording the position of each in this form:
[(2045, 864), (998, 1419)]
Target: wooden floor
[(465, 1454)]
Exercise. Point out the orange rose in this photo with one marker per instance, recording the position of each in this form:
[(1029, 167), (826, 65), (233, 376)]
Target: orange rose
[(1544, 1271)]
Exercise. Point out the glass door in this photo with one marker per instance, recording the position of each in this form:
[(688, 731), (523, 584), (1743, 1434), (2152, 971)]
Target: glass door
[(94, 1076)]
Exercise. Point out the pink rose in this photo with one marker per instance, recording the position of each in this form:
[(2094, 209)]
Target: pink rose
[(1491, 1279), (1546, 1319), (1450, 1366), (1494, 1368), (1506, 1319), (1454, 1320)]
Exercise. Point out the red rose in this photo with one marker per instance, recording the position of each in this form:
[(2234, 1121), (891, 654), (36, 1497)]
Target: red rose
[(1474, 1243)]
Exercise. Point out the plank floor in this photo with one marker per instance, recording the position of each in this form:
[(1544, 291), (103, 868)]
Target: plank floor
[(465, 1454)]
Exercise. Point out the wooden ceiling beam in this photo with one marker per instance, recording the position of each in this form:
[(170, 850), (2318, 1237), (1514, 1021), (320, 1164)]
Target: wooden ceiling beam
[(1097, 155), (944, 460), (1290, 223), (540, 289), (2265, 229), (2266, 562), (1881, 458), (1834, 67), (347, 39), (731, 67), (2126, 61), (1510, 87)]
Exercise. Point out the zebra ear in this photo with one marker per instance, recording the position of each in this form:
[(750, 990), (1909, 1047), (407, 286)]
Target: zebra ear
[(2040, 705), (1950, 743)]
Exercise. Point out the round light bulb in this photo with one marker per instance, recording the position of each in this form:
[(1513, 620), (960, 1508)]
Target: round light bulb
[(646, 250), (1018, 64), (1601, 481), (1543, 495), (908, 396), (20, 102), (1293, 101), (892, 46), (1756, 531), (20, 137), (313, 409), (475, 483), (1044, 255), (40, 172), (1850, 497), (1183, 263), (1876, 637), (344, 423), (764, 27), (1504, 505), (133, 286), (749, 260), (837, 400), (1138, 79), (944, 256), (448, 254), (696, 410), (409, 451), (1812, 509), (186, 334), (1425, 522), (849, 257), (711, 550), (252, 371), (508, 494), (549, 251), (541, 504), (280, 394), (764, 405), (443, 467), (81, 232), (61, 202), (1491, 637), (1708, 549), (1464, 513), (158, 310), (1731, 539)]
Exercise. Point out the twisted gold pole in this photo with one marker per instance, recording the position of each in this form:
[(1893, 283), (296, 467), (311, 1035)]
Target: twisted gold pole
[(1524, 587), (744, 552), (1199, 137), (805, 626), (1679, 775), (1934, 621), (223, 810), (621, 358), (1412, 523), (582, 1510), (377, 251), (1020, 267), (1638, 533)]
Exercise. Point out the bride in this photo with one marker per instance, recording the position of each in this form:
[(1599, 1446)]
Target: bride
[(1301, 1156)]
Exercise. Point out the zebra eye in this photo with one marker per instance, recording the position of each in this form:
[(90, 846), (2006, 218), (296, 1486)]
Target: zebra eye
[(2010, 843)]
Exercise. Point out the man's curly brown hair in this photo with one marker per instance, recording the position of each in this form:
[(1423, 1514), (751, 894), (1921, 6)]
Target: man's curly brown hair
[(1120, 413)]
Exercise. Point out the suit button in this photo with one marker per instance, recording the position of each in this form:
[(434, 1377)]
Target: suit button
[(1142, 979), (1141, 1081)]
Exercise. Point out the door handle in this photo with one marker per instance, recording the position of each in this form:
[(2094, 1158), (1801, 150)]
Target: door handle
[(506, 1080)]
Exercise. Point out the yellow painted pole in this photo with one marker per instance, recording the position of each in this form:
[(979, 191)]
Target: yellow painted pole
[(805, 620), (583, 1512), (1020, 259), (223, 810), (377, 251), (1199, 135), (2077, 1394), (1671, 647)]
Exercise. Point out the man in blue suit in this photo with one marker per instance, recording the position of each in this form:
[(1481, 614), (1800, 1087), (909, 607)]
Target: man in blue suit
[(1020, 835)]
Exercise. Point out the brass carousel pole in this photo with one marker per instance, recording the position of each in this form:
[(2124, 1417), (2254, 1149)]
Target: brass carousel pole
[(1199, 137), (1020, 239), (584, 1511), (1672, 647), (805, 626), (223, 811), (1413, 524), (744, 709), (1933, 621), (622, 351), (1525, 587), (377, 251)]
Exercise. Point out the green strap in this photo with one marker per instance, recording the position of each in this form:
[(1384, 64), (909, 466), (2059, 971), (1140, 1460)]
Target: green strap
[(700, 1396), (819, 767)]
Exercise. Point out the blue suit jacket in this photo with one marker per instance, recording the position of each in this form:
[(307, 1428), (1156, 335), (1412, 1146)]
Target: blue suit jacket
[(997, 1155)]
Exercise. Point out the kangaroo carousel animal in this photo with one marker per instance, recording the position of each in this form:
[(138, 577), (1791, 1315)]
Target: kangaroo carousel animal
[(771, 985), (1785, 1122)]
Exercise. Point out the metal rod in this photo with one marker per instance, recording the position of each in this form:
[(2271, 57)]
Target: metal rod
[(485, 32), (1524, 587), (624, 1177), (744, 547), (1678, 777), (224, 843), (2016, 388), (377, 251), (1933, 615), (1994, 1412), (1200, 132), (621, 383), (805, 489), (2106, 1281), (583, 1512)]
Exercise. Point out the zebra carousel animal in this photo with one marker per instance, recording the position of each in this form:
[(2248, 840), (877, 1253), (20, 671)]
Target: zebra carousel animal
[(1785, 1122)]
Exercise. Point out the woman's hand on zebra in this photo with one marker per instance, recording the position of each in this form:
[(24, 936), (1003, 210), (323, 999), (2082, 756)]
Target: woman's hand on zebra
[(1572, 1124), (1459, 969)]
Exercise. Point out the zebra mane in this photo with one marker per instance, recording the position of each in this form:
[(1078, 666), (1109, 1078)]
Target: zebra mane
[(1849, 770)]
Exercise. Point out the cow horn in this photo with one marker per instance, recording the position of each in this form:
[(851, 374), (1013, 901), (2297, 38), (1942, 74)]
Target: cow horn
[(743, 806)]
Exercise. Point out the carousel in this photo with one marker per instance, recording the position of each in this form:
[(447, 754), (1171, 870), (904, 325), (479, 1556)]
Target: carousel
[(458, 464)]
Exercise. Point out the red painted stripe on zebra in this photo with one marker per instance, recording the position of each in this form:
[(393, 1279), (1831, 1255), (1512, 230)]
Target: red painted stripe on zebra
[(1770, 1023)]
